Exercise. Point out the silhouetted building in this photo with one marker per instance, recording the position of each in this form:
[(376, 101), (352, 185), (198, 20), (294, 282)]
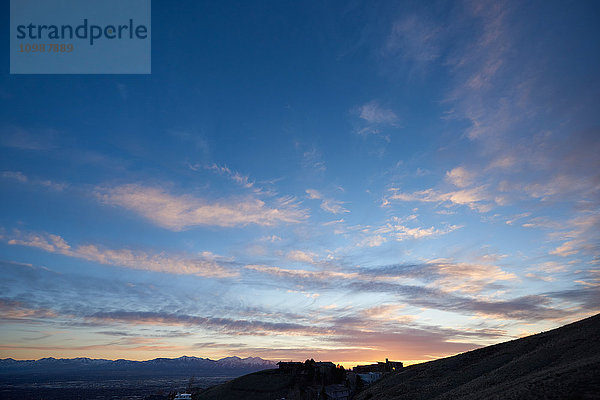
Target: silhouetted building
[(325, 367), (290, 367), (387, 366)]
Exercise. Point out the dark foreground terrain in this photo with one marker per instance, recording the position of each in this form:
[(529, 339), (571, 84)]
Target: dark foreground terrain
[(263, 385), (563, 363)]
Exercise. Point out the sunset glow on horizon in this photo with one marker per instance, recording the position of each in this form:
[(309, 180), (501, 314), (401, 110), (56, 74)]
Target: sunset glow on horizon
[(342, 181)]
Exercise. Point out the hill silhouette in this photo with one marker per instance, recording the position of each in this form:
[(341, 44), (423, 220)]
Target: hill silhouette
[(563, 363), (262, 385)]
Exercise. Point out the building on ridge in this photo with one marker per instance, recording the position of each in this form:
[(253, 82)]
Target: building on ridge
[(383, 367)]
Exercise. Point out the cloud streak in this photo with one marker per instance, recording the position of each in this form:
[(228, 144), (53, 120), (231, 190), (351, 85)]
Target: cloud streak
[(327, 204), (205, 264), (476, 198), (441, 285), (180, 212), (225, 325), (375, 114)]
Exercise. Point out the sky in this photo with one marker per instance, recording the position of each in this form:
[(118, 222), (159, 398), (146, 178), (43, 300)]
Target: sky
[(346, 181)]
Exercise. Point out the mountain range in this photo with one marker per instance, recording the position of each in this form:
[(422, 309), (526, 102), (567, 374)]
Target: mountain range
[(182, 366)]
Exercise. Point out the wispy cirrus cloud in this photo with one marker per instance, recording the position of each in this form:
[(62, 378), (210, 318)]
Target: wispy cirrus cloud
[(477, 198), (224, 325), (460, 177), (179, 212), (22, 178), (235, 176), (375, 120), (302, 256), (129, 345), (582, 236), (413, 39), (352, 330), (310, 276), (396, 229), (373, 113), (16, 175), (205, 264), (528, 152), (13, 310), (442, 285), (445, 275), (27, 139), (19, 311), (358, 329), (591, 279), (330, 205), (311, 158), (372, 240), (387, 313), (466, 277)]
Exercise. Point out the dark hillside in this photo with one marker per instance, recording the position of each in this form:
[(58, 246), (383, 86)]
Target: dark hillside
[(263, 385), (563, 363)]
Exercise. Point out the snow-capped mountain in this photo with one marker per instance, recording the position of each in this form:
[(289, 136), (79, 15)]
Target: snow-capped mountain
[(182, 366), (249, 361)]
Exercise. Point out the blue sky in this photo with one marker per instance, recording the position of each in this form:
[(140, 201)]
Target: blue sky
[(347, 181)]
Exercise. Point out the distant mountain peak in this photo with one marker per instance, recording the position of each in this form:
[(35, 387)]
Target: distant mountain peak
[(229, 358), (184, 365)]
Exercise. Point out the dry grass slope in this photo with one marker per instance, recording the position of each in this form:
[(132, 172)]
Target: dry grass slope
[(560, 364), (263, 385)]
